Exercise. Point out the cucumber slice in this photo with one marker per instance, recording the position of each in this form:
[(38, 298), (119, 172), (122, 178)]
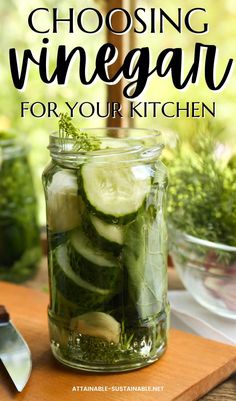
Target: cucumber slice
[(63, 307), (93, 264), (89, 251), (72, 286), (110, 232), (64, 206), (115, 191)]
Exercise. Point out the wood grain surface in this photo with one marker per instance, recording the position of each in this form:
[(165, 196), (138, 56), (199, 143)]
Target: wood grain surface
[(223, 392), (189, 369)]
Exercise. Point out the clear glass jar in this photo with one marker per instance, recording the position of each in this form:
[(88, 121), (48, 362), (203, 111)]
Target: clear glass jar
[(19, 233), (107, 251)]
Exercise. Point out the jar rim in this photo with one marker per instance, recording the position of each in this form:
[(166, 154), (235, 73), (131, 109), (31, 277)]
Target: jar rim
[(147, 144), (151, 133)]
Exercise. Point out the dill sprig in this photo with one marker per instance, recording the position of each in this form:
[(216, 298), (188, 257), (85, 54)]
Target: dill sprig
[(202, 193), (82, 141)]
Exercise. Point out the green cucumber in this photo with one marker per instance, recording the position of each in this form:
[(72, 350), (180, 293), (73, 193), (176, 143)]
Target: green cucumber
[(64, 206), (103, 234), (115, 191), (72, 286), (113, 233), (93, 264), (63, 307)]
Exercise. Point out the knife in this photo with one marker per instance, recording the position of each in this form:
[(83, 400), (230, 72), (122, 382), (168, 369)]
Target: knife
[(14, 352)]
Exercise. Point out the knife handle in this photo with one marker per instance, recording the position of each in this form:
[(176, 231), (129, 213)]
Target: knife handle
[(4, 315)]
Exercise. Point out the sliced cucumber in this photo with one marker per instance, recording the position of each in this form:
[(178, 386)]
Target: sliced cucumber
[(63, 307), (64, 206), (111, 232), (115, 191), (72, 286), (89, 251), (93, 264)]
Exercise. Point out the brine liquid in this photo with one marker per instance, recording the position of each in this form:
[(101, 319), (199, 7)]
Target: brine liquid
[(137, 347), (117, 275)]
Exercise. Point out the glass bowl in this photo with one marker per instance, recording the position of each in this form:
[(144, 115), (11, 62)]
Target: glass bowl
[(207, 270)]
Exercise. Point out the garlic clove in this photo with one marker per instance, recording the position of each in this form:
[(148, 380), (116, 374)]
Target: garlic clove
[(97, 324)]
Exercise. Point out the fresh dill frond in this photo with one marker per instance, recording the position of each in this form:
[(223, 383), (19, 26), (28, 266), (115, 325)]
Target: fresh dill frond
[(125, 338), (82, 141), (202, 192)]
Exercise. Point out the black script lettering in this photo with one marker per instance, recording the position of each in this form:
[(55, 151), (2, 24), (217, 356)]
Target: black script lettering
[(210, 67), (64, 62), (106, 55), (136, 67), (60, 72), (140, 66), (175, 67), (19, 74)]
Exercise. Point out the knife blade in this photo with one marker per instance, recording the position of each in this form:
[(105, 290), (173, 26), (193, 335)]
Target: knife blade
[(14, 351)]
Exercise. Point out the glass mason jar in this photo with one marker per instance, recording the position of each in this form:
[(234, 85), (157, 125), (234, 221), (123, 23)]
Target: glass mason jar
[(19, 233), (107, 244)]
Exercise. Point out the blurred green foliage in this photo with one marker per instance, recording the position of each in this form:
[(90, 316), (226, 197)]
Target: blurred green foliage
[(15, 33), (202, 192), (220, 17), (19, 231)]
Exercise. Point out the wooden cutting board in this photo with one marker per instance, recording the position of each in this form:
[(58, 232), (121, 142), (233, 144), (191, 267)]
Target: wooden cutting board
[(189, 369)]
